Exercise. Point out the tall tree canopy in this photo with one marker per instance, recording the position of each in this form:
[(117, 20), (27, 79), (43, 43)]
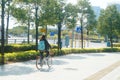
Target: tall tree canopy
[(108, 22)]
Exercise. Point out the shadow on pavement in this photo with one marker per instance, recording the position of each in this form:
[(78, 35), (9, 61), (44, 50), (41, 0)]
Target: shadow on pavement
[(47, 69), (72, 56), (95, 54), (27, 67), (30, 62), (73, 69), (59, 62), (15, 70)]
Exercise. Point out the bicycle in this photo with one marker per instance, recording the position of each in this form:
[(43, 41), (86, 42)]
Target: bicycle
[(45, 61)]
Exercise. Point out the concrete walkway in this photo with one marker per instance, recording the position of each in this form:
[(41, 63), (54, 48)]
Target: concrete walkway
[(88, 66)]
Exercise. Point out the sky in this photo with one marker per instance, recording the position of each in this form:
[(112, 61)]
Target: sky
[(101, 3)]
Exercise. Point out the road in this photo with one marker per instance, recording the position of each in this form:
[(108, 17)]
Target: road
[(87, 66)]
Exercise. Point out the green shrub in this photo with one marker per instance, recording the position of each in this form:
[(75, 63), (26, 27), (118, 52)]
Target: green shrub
[(21, 56), (31, 54), (0, 59), (18, 47), (111, 50), (21, 47), (116, 44), (10, 56)]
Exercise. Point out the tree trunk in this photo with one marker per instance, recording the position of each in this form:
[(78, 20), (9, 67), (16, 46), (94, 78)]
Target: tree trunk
[(111, 41)]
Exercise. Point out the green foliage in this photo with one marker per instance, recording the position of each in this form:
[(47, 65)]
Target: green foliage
[(19, 47), (22, 47), (111, 50), (0, 59), (20, 56), (79, 50), (10, 57), (108, 22), (71, 16), (19, 13), (48, 12), (85, 9), (18, 30), (30, 55), (116, 44)]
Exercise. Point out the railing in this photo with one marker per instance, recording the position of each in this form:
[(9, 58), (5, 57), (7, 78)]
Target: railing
[(14, 41)]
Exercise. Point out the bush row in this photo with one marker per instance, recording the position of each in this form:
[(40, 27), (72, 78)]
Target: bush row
[(26, 47), (30, 55), (116, 44), (20, 47)]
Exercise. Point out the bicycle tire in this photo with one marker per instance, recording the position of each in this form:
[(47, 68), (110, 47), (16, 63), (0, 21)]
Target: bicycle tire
[(38, 63), (49, 61)]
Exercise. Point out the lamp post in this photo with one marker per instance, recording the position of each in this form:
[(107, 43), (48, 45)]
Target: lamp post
[(2, 30)]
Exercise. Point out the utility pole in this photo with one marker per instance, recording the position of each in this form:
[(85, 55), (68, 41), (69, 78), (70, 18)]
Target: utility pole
[(2, 30)]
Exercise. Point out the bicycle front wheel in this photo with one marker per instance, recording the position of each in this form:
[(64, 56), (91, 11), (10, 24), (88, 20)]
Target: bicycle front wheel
[(39, 62), (49, 61)]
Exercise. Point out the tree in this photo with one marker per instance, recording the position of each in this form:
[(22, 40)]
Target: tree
[(23, 13), (71, 18), (60, 15), (108, 22), (48, 13), (85, 12), (8, 14), (2, 30), (19, 14), (18, 30)]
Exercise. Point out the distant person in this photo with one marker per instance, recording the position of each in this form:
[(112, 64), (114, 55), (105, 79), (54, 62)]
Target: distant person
[(43, 46)]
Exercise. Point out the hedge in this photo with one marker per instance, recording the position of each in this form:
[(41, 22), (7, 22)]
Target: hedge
[(20, 47), (116, 44), (27, 47), (31, 55)]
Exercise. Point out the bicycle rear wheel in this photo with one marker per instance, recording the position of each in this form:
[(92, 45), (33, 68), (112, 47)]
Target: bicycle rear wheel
[(39, 62)]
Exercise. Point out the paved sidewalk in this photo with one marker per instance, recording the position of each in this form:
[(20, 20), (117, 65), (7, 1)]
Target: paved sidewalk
[(88, 66)]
